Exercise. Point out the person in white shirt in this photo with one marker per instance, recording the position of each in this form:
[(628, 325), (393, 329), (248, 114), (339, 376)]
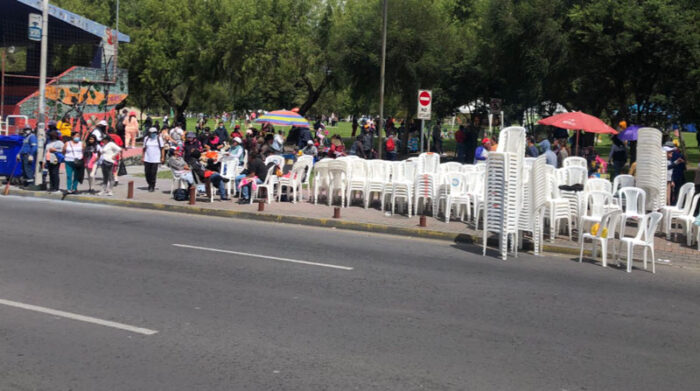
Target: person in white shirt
[(236, 150), (109, 153), (100, 130), (73, 151), (177, 134), (152, 157), (54, 149)]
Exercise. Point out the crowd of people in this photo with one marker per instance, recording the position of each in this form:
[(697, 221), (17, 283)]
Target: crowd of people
[(195, 156)]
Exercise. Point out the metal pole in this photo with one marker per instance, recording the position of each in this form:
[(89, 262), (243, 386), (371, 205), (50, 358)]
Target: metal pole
[(2, 89), (422, 135), (381, 83), (41, 121), (116, 45)]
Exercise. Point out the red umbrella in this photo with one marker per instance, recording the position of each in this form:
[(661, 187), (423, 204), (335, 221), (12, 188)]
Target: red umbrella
[(577, 120)]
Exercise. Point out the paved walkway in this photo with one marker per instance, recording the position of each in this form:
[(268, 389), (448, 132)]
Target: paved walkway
[(673, 252)]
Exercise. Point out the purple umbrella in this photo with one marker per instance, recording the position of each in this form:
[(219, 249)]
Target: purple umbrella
[(629, 134)]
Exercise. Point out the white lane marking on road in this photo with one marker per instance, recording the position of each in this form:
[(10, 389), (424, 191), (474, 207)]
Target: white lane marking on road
[(82, 318), (264, 257)]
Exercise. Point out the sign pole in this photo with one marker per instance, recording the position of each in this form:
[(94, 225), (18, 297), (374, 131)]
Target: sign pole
[(422, 135), (41, 122)]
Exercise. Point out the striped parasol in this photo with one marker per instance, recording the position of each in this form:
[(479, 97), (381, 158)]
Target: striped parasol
[(283, 118)]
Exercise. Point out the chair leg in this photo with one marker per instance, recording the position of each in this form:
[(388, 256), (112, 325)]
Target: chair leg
[(645, 258), (629, 257), (594, 249), (580, 255), (604, 250), (653, 260)]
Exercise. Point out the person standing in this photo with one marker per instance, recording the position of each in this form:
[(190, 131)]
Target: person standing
[(460, 138), (73, 151), (437, 138), (27, 155), (131, 127), (471, 138), (109, 155), (152, 157), (91, 156), (618, 156), (355, 125), (53, 160)]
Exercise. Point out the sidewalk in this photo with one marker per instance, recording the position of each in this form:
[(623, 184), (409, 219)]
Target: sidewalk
[(354, 218)]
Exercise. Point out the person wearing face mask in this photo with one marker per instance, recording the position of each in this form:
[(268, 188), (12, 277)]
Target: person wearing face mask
[(152, 156), (73, 151), (26, 156), (91, 156)]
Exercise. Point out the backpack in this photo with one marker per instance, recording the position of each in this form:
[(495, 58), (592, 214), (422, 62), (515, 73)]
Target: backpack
[(181, 195), (390, 145)]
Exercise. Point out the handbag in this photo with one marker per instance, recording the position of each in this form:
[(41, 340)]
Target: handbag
[(122, 168)]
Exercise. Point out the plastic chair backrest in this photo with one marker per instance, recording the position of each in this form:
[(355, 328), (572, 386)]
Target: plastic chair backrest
[(621, 181), (450, 167), (647, 227), (576, 175), (635, 200), (456, 182), (410, 169), (277, 159), (685, 196), (512, 140), (468, 169), (575, 161), (378, 170), (598, 184), (597, 203), (398, 171), (606, 222), (429, 162), (358, 168)]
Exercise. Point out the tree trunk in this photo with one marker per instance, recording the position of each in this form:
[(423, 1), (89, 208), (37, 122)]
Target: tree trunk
[(313, 93)]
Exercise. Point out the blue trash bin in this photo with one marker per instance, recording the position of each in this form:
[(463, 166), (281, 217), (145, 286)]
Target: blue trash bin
[(9, 148)]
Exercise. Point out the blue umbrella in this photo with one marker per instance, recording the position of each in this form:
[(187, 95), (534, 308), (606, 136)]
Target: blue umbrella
[(629, 134)]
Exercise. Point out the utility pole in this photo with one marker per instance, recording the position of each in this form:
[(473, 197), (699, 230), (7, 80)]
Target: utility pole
[(381, 83), (41, 121)]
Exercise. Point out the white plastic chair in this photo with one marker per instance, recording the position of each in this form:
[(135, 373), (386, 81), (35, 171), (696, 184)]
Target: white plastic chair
[(556, 207), (338, 171), (605, 233), (598, 184), (634, 203), (229, 170), (357, 179), (596, 205), (687, 219), (453, 193), (292, 182), (321, 179), (644, 238), (682, 207), (268, 185), (575, 161), (177, 181), (401, 185), (378, 178)]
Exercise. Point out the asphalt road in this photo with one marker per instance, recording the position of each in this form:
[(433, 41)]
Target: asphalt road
[(394, 314)]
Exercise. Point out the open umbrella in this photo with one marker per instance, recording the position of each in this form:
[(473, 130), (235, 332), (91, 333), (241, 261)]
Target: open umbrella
[(577, 120), (283, 118), (629, 134)]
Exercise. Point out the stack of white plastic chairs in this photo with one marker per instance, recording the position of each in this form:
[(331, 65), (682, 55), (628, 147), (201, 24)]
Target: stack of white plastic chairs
[(651, 167), (533, 200), (426, 182), (503, 189)]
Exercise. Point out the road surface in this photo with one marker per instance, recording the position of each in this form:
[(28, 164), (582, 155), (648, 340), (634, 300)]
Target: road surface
[(162, 301)]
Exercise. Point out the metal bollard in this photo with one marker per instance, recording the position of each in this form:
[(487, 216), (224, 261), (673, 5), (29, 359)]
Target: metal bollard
[(336, 213), (423, 222), (130, 192), (261, 206), (193, 195)]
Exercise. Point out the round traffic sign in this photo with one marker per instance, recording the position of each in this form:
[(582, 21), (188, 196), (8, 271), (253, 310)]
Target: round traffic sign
[(424, 98)]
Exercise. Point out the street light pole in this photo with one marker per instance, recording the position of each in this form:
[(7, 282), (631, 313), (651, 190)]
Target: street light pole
[(381, 82), (41, 122)]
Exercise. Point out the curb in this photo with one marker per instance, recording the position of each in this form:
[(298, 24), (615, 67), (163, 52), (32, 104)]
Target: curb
[(307, 221)]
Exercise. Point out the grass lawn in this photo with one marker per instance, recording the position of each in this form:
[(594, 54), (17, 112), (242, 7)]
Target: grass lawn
[(161, 174)]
